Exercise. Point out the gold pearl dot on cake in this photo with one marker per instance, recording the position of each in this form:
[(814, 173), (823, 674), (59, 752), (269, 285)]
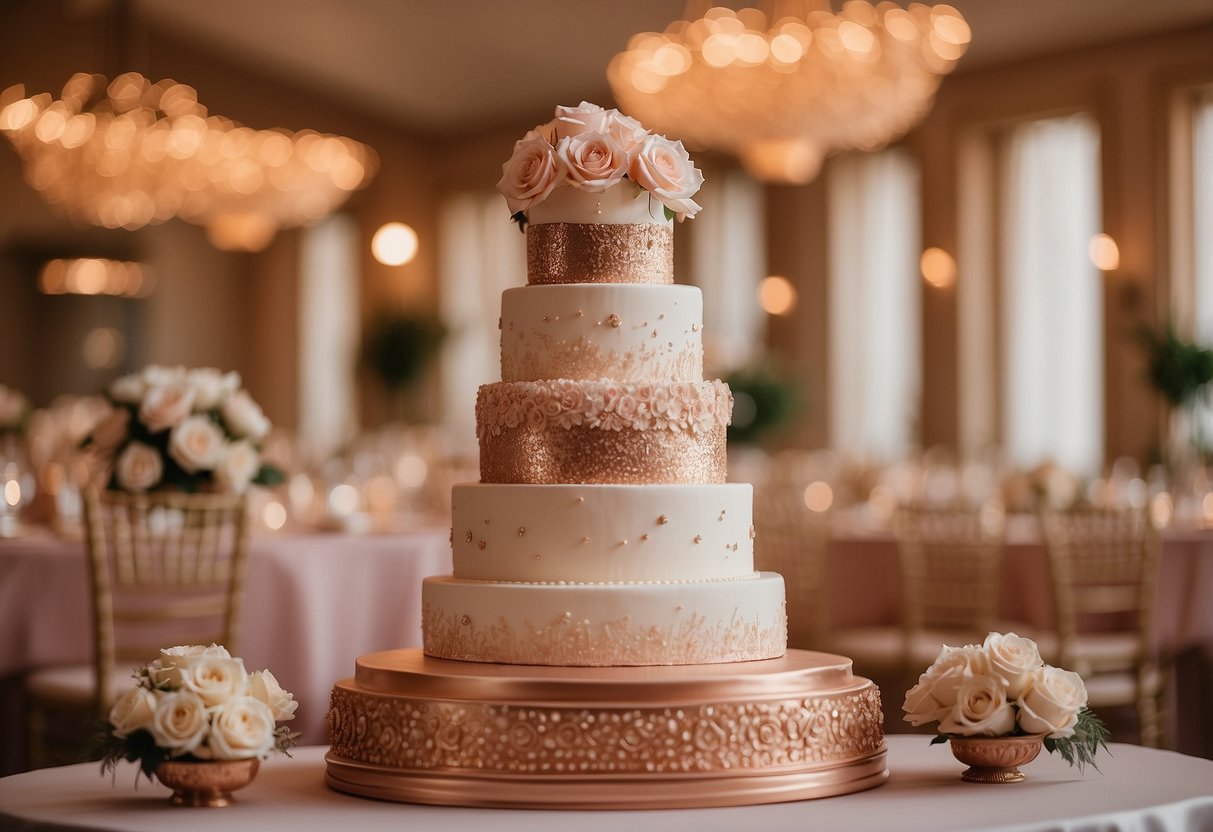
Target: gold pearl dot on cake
[(546, 319), (469, 536), (466, 620), (694, 327), (680, 607), (521, 531), (585, 540), (662, 520), (499, 322), (661, 317), (734, 547), (623, 542), (486, 522), (538, 557), (613, 320), (580, 499), (698, 538), (644, 536), (753, 532), (580, 313), (721, 517), (480, 544), (654, 333)]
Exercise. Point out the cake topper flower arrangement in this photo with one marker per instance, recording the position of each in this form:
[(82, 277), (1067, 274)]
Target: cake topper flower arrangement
[(1002, 688), (592, 149), (187, 429), (197, 703)]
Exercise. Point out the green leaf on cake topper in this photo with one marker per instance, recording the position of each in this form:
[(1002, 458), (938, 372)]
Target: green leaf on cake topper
[(520, 218)]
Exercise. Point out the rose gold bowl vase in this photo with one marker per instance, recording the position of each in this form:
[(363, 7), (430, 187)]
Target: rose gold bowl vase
[(995, 759), (205, 782)]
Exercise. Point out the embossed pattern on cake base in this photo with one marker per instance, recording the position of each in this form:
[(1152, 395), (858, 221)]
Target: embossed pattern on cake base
[(561, 252)]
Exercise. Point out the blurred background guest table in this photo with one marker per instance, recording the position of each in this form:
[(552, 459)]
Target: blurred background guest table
[(1136, 788), (313, 603)]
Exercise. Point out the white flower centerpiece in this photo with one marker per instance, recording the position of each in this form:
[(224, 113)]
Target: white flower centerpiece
[(198, 704), (187, 429), (984, 694), (593, 149)]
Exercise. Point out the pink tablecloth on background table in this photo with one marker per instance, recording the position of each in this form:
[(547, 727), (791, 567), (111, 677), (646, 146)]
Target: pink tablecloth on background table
[(313, 604)]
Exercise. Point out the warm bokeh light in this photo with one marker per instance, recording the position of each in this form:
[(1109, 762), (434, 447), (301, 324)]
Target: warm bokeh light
[(411, 471), (274, 515), (394, 244), (104, 348), (12, 493), (1104, 253), (938, 268), (777, 295), (343, 500), (818, 496), (95, 276)]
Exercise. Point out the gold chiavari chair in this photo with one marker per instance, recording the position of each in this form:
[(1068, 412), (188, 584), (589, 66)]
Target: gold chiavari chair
[(1105, 563), (165, 569), (792, 540)]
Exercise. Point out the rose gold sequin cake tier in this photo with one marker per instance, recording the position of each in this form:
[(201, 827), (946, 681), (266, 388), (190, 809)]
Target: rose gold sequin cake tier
[(416, 729)]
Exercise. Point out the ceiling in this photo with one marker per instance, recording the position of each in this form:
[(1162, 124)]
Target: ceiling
[(445, 66)]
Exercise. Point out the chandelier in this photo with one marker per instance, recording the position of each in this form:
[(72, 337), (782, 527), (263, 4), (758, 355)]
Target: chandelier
[(783, 89), (133, 152)]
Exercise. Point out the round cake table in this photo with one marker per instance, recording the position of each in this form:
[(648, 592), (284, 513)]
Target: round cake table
[(1138, 788)]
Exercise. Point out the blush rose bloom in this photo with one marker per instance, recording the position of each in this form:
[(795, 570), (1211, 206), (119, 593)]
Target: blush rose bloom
[(665, 170), (165, 406), (1051, 702), (166, 670), (592, 162), (1013, 659), (530, 174), (981, 709), (133, 712), (263, 687), (128, 389), (242, 728), (196, 443), (210, 387), (243, 417), (180, 722), (139, 467), (627, 131), (214, 679), (238, 463), (584, 118)]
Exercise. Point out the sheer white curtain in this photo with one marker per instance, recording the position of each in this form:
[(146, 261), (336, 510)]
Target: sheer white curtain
[(728, 260), (1202, 222), (1052, 295), (482, 253), (329, 321), (875, 309)]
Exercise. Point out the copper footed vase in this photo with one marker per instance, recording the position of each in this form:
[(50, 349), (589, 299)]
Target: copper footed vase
[(995, 759), (206, 782)]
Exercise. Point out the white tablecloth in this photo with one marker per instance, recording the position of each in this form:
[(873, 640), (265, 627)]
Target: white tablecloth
[(314, 603), (1138, 789)]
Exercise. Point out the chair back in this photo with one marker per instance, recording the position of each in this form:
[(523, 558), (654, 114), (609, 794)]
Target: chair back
[(792, 540), (166, 568), (1104, 563), (950, 558)]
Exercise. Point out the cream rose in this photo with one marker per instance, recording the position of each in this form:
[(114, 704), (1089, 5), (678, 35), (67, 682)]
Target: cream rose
[(242, 728), (133, 712), (937, 689), (627, 131), (180, 722), (214, 678), (167, 669), (1013, 659), (530, 174), (263, 687), (243, 417), (208, 387), (139, 467), (158, 375), (1051, 702), (128, 389), (238, 463), (111, 430), (166, 405), (592, 162), (195, 444), (981, 709), (584, 118), (665, 170)]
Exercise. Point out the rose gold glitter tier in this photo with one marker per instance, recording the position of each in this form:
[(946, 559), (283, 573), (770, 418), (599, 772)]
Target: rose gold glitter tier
[(563, 252), (416, 729)]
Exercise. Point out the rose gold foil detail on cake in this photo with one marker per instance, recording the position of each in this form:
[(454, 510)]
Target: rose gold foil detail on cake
[(587, 455), (596, 253), (543, 357)]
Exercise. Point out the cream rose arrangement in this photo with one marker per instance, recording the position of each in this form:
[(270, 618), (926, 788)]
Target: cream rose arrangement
[(169, 427), (197, 703), (1001, 688), (592, 149)]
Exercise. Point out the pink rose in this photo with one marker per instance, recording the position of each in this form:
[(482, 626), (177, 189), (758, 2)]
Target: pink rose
[(551, 408), (138, 467), (644, 393), (626, 131), (166, 405), (196, 444), (584, 118), (572, 399), (664, 169), (530, 174), (627, 407), (592, 162)]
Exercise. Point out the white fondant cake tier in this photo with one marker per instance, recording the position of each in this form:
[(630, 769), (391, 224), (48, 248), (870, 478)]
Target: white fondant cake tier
[(602, 533), (605, 624), (598, 331), (622, 204)]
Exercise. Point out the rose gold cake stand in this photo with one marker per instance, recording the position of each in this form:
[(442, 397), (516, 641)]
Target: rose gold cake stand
[(416, 729)]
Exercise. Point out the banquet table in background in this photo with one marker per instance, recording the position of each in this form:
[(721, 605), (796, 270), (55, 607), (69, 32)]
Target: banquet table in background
[(314, 602), (1136, 788)]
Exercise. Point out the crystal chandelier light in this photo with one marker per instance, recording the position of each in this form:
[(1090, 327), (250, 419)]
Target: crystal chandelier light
[(782, 89), (132, 152)]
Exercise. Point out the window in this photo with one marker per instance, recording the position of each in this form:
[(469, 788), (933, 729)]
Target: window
[(1051, 310), (875, 345)]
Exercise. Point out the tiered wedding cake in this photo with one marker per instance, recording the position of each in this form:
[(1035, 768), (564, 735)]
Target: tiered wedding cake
[(588, 649)]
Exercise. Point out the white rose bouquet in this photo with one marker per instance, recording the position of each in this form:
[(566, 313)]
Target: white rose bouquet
[(1003, 688), (197, 703), (592, 149), (170, 427)]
